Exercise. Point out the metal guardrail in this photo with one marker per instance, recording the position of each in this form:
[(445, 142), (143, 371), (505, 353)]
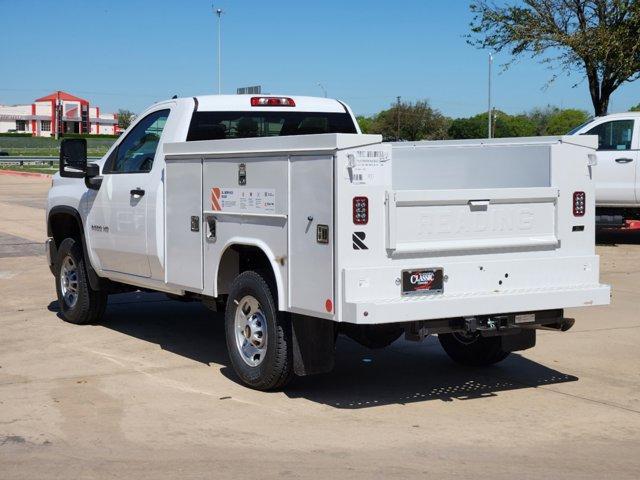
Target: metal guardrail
[(28, 160)]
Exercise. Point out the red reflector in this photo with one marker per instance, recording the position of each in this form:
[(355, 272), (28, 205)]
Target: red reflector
[(579, 200), (328, 305), (360, 210), (272, 102)]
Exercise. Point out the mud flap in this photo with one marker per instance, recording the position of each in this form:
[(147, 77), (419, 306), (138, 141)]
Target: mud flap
[(313, 345), (520, 341)]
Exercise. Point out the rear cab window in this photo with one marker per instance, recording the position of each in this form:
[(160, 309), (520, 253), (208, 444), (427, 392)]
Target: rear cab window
[(224, 125)]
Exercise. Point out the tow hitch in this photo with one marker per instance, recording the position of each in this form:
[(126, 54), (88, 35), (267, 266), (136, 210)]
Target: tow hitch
[(503, 325)]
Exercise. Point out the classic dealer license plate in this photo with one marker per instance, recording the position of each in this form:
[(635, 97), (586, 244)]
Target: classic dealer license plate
[(422, 281)]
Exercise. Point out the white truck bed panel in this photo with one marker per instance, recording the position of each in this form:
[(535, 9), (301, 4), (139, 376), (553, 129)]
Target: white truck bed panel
[(504, 236)]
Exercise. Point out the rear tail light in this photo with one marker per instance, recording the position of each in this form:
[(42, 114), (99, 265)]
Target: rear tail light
[(272, 102), (579, 200), (360, 210)]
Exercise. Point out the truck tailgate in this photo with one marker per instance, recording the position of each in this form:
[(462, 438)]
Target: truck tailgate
[(440, 221)]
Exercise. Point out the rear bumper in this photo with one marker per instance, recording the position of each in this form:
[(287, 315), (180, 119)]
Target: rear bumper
[(431, 307)]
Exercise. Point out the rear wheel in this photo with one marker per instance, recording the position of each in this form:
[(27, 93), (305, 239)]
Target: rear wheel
[(79, 303), (258, 336), (473, 349)]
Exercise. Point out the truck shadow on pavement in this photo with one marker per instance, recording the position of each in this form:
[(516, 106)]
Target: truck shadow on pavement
[(408, 372), (403, 373), (618, 237)]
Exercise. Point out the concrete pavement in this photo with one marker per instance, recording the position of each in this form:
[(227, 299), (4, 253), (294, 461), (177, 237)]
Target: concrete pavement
[(149, 392)]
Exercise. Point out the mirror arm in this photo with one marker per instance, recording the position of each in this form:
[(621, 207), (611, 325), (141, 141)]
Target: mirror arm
[(93, 183), (93, 179)]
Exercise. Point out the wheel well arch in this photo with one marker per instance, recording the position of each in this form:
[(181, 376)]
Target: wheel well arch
[(64, 222), (241, 255)]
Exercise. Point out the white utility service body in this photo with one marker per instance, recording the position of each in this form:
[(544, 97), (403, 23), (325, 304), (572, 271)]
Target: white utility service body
[(496, 216), (278, 211)]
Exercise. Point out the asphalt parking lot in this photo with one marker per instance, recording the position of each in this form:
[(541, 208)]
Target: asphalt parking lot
[(149, 392)]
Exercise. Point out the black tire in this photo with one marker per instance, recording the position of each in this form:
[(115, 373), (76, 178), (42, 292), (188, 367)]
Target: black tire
[(89, 304), (474, 350), (275, 367), (373, 336)]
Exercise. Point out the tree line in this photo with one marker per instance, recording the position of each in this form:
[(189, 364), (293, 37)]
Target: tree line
[(412, 121)]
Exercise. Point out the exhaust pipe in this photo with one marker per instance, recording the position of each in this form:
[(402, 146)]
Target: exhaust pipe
[(561, 325)]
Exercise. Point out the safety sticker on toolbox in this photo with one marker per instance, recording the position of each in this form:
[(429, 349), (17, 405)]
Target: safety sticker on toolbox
[(365, 167), (243, 200)]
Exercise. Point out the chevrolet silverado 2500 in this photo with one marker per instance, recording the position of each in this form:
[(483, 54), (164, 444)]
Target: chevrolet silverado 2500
[(617, 173), (280, 213)]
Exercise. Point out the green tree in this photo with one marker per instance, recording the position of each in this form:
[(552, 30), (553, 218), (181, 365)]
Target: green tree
[(514, 126), (541, 116), (472, 127), (598, 38), (125, 117), (504, 125), (365, 123), (410, 121), (563, 121), (635, 108)]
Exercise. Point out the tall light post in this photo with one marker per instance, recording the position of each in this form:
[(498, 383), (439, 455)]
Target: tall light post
[(398, 118), (490, 110), (219, 12), (324, 90)]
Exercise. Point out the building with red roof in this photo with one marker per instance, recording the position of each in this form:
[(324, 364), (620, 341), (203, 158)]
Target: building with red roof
[(57, 113)]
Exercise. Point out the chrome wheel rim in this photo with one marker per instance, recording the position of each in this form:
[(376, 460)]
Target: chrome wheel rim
[(250, 328), (69, 282)]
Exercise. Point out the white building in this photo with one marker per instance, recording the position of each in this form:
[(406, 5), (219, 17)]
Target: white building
[(58, 111)]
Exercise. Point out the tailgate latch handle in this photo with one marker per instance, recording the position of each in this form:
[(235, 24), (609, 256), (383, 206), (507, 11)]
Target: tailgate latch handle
[(478, 205)]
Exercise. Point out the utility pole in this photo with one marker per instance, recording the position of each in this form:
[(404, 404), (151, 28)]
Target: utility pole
[(490, 109), (219, 12), (398, 118), (57, 117)]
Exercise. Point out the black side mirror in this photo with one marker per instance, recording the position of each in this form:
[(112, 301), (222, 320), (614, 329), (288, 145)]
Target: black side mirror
[(73, 157), (92, 178)]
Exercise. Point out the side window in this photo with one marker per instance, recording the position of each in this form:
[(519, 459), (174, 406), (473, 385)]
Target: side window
[(615, 135), (136, 152)]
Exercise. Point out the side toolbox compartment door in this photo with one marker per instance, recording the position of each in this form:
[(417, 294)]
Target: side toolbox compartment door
[(311, 231), (183, 186)]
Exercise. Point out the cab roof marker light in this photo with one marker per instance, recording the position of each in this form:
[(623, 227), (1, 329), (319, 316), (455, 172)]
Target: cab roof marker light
[(272, 102)]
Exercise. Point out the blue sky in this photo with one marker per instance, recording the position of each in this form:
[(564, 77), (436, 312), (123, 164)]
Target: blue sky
[(129, 54)]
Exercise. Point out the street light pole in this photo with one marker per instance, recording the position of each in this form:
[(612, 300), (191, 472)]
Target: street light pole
[(398, 118), (219, 12), (323, 89), (490, 110)]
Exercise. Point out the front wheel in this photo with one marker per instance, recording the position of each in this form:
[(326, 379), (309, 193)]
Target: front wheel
[(473, 349), (258, 336), (79, 303)]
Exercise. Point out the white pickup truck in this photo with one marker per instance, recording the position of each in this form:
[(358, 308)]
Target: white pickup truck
[(279, 212), (617, 173)]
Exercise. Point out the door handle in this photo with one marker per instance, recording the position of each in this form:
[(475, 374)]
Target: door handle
[(624, 160), (137, 192)]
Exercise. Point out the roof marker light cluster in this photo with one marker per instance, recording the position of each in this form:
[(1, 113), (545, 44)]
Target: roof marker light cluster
[(272, 102)]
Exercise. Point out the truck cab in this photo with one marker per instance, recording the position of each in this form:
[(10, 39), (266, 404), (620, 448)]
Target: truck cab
[(616, 174)]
